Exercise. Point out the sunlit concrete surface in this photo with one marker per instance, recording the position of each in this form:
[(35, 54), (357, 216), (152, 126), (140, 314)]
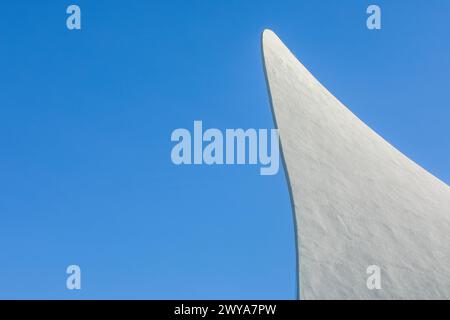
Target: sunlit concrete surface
[(358, 201)]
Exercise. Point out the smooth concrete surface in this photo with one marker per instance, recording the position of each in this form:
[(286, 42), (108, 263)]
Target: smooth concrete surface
[(358, 201)]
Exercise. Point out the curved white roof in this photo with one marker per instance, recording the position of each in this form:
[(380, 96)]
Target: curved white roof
[(358, 201)]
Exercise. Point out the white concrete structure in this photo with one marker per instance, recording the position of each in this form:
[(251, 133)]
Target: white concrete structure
[(358, 201)]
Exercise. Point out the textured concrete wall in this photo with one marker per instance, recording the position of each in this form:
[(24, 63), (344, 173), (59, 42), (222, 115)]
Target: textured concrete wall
[(358, 201)]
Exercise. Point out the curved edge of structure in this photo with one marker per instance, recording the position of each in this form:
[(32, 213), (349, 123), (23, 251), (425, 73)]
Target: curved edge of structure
[(286, 174)]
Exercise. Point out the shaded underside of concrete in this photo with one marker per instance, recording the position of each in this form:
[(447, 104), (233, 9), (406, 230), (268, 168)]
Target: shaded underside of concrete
[(357, 200)]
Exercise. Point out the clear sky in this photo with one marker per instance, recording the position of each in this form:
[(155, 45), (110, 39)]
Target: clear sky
[(86, 116)]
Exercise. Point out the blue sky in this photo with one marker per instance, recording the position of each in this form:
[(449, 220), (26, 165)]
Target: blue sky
[(86, 117)]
